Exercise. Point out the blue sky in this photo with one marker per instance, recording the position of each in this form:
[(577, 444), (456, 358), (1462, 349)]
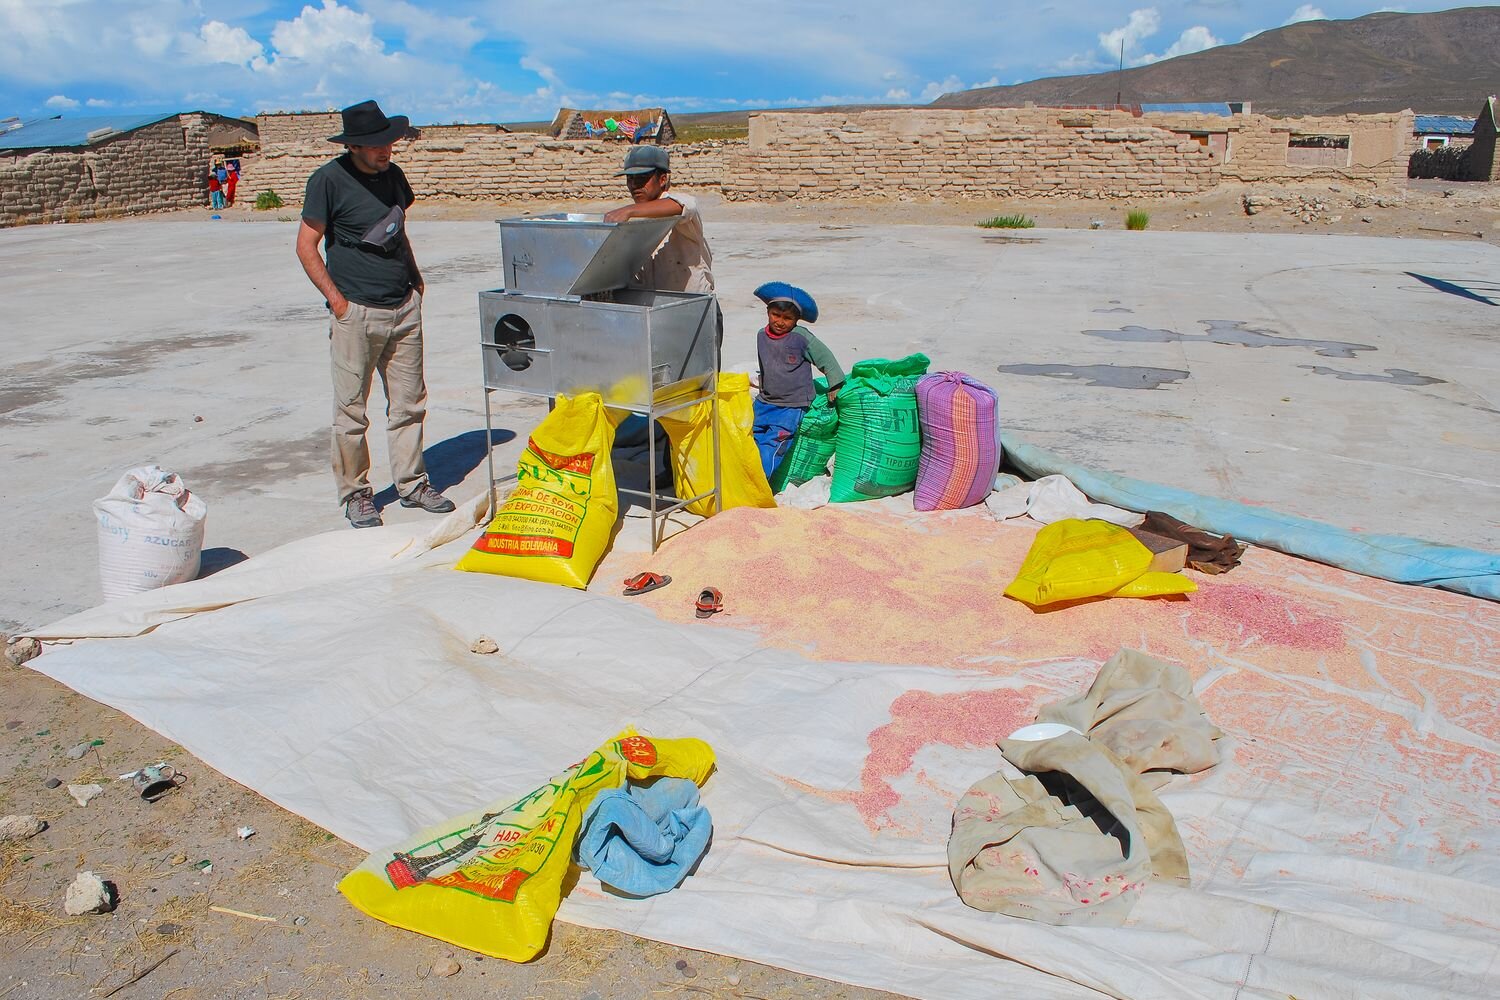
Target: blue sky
[(502, 61)]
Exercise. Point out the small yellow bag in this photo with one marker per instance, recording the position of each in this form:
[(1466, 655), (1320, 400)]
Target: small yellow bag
[(1072, 559), (491, 880), (555, 526), (742, 478)]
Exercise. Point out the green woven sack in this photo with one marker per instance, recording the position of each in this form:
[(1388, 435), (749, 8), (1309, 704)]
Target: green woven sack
[(813, 445), (878, 443)]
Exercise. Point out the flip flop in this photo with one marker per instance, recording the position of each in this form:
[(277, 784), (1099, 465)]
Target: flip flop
[(710, 602), (644, 583)]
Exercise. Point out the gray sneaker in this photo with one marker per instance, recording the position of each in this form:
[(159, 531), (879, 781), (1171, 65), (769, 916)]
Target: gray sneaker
[(428, 499), (360, 510)]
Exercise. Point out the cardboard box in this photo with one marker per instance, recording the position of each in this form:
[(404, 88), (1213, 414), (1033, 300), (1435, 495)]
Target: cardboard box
[(1168, 555)]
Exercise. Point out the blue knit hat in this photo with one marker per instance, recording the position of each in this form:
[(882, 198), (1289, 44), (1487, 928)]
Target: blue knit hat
[(780, 291)]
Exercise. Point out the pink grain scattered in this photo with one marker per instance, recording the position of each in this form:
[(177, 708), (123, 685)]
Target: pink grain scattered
[(1245, 611), (923, 718)]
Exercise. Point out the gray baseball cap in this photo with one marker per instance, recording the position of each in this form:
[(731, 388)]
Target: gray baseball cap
[(644, 159)]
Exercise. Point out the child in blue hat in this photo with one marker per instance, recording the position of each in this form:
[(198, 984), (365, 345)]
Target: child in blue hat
[(788, 354)]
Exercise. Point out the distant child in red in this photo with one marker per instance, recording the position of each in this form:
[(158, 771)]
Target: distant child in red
[(215, 195), (229, 184)]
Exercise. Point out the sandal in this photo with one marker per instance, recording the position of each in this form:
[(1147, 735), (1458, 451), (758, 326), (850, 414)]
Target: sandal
[(644, 583), (710, 602)]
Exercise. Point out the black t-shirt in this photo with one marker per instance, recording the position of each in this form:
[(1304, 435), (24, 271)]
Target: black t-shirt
[(348, 202)]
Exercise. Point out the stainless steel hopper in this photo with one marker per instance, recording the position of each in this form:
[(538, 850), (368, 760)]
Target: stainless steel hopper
[(571, 254)]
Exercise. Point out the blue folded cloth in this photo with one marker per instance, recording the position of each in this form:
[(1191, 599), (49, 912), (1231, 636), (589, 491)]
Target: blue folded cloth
[(644, 839)]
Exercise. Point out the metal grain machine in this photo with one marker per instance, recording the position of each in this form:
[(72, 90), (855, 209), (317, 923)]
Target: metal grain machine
[(570, 319)]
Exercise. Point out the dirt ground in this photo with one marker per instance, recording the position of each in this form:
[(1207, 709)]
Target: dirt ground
[(265, 920)]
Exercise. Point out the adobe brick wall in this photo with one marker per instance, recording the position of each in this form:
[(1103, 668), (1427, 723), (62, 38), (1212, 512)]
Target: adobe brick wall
[(991, 153), (280, 131), (161, 166), (1380, 148), (951, 154), (487, 166)]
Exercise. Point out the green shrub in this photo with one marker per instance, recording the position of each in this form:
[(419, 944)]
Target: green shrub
[(267, 200), (1137, 219), (1013, 221)]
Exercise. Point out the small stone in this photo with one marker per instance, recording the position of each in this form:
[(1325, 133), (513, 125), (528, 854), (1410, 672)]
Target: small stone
[(245, 832), (13, 724), (77, 752), (18, 651), (83, 793), (679, 965), (1366, 218), (197, 420), (20, 827), (300, 921), (88, 894), (445, 967), (168, 928), (690, 973), (485, 645), (179, 859), (733, 979), (52, 782)]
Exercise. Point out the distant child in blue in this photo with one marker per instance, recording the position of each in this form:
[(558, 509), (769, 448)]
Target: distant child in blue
[(788, 353)]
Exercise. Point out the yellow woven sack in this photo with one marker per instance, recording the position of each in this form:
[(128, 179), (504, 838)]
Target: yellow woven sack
[(556, 525), (490, 880), (743, 479), (1072, 559)]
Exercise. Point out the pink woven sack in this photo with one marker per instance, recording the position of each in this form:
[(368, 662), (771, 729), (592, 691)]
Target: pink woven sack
[(961, 450)]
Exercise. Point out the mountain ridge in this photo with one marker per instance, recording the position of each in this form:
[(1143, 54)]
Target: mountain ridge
[(1438, 63)]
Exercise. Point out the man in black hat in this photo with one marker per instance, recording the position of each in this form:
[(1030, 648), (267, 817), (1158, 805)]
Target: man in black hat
[(356, 205)]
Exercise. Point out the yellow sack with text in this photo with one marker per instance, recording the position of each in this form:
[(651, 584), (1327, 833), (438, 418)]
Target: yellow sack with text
[(1073, 559), (742, 477), (557, 523), (491, 880)]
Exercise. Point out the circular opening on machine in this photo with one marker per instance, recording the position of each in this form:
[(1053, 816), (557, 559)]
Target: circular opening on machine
[(513, 336)]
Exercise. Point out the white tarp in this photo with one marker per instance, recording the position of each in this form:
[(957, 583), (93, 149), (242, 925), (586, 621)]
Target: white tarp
[(335, 678)]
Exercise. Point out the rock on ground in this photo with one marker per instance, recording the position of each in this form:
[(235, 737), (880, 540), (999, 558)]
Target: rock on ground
[(13, 828), (87, 894)]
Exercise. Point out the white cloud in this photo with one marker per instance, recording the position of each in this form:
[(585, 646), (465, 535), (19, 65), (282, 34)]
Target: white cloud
[(1194, 39), (423, 28), (325, 33), (217, 42), (59, 101), (95, 102), (1080, 63), (1141, 25), (1307, 12), (898, 94), (953, 84), (542, 70)]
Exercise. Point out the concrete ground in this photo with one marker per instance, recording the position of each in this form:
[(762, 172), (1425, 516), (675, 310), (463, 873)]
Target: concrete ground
[(1347, 378), (1339, 376)]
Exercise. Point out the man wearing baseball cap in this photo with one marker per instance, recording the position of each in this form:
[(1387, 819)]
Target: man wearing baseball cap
[(356, 205), (683, 262)]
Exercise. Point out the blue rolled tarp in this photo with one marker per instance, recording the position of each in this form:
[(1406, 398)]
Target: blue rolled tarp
[(1388, 557)]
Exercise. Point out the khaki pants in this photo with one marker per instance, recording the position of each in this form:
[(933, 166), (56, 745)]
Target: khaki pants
[(389, 341)]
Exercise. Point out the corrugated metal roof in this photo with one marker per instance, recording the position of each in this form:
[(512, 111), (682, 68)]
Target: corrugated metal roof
[(1444, 125), (50, 132), (1194, 109)]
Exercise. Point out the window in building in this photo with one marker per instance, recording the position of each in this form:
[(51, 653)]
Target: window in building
[(1305, 150)]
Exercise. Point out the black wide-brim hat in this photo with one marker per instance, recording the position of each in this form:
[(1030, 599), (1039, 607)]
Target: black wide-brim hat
[(366, 125)]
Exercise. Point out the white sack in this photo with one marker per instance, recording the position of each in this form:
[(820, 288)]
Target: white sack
[(150, 532)]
